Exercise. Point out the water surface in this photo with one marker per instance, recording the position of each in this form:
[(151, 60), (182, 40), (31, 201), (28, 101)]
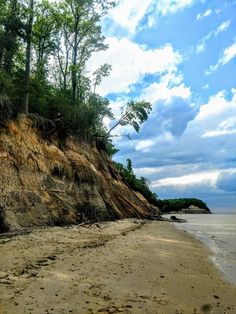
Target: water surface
[(218, 232)]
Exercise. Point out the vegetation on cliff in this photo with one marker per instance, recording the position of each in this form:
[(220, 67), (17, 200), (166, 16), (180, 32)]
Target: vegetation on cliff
[(137, 184), (45, 47)]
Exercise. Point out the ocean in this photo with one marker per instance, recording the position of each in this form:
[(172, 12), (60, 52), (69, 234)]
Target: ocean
[(218, 232)]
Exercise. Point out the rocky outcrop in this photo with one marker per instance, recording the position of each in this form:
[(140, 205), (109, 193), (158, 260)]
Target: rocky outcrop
[(46, 183)]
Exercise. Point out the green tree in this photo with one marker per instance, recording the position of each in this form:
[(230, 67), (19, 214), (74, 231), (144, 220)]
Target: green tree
[(84, 36), (103, 71), (134, 114), (10, 30), (28, 32), (129, 166), (45, 30)]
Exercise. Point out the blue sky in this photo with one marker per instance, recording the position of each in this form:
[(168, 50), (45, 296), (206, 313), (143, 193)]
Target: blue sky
[(181, 56)]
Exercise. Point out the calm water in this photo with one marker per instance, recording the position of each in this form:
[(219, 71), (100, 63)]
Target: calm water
[(218, 231)]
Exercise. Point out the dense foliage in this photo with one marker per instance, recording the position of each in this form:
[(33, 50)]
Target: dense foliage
[(175, 205), (137, 184), (45, 47)]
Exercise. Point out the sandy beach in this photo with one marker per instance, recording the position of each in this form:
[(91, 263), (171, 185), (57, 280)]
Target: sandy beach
[(127, 266)]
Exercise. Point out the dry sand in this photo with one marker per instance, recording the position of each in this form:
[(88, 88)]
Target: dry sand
[(125, 266)]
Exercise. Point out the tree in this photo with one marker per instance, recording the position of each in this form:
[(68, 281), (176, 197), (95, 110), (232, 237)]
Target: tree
[(103, 71), (29, 28), (137, 184), (135, 114), (44, 51), (45, 30), (83, 37), (129, 166), (10, 30)]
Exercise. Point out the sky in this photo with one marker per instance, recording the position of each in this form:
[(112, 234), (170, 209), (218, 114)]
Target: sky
[(180, 55)]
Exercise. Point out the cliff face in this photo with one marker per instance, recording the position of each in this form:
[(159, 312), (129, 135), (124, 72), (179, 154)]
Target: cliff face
[(46, 183)]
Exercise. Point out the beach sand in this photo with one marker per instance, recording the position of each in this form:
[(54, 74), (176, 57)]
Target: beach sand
[(126, 266)]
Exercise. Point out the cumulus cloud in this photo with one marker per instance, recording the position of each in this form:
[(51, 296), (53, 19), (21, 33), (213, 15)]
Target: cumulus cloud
[(130, 62), (166, 90), (227, 126), (227, 181), (128, 14), (201, 46), (195, 160), (218, 114), (228, 54)]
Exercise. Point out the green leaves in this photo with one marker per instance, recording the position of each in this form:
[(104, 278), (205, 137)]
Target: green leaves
[(134, 114), (137, 184), (63, 37), (103, 71)]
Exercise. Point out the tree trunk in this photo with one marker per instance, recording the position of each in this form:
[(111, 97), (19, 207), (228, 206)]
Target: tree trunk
[(74, 67), (28, 56)]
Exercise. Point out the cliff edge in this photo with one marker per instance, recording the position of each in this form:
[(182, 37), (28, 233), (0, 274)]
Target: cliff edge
[(47, 182)]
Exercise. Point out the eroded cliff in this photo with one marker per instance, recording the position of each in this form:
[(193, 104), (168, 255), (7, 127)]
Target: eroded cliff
[(49, 183)]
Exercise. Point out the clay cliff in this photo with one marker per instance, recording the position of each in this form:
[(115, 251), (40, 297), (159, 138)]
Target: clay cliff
[(50, 182)]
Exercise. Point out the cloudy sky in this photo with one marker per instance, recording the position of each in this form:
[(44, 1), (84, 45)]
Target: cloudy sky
[(181, 56)]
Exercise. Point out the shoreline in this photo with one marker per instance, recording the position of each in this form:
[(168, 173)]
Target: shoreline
[(221, 256), (127, 266), (212, 255)]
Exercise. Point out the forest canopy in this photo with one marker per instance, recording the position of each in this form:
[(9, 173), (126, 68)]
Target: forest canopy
[(45, 47)]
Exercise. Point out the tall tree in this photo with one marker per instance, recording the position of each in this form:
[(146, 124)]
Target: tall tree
[(45, 29), (83, 37), (28, 54), (11, 29)]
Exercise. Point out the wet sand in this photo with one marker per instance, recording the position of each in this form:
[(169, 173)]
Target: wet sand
[(127, 266)]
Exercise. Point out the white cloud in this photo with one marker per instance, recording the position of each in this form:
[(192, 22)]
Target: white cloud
[(201, 47), (222, 28), (130, 62), (171, 6), (145, 146), (220, 107), (170, 86), (129, 13), (219, 133), (201, 16), (215, 119), (216, 106), (193, 178), (228, 54)]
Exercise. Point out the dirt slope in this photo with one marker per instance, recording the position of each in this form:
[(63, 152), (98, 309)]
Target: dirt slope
[(46, 182)]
